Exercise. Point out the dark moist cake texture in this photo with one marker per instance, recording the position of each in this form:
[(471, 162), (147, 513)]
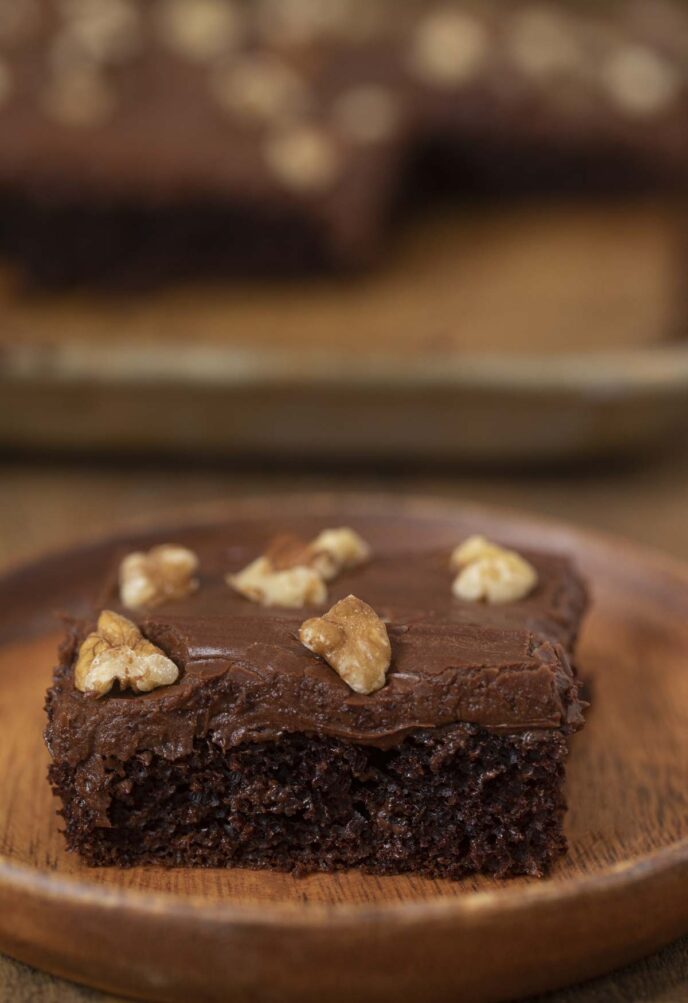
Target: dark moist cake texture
[(260, 755)]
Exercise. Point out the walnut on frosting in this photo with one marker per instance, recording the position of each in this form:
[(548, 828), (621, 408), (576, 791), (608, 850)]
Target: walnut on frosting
[(472, 549), (293, 587), (149, 578), (293, 572), (336, 550), (489, 572), (117, 651), (353, 639)]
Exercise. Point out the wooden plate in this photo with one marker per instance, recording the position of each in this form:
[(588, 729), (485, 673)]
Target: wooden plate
[(550, 330), (212, 935)]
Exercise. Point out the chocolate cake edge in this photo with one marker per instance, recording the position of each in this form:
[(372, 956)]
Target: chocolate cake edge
[(444, 803)]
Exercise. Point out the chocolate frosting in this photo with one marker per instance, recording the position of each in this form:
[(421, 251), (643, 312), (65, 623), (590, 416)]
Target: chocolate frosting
[(244, 676)]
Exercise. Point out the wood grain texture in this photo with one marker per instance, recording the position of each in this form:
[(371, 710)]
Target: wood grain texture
[(620, 892), (661, 978), (500, 320)]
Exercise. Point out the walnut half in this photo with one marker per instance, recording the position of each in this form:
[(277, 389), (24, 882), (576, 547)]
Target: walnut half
[(490, 572), (292, 587), (352, 638), (293, 572), (337, 550), (117, 650), (164, 572), (473, 548)]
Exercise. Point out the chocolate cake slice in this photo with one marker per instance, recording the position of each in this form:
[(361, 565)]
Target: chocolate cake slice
[(193, 721)]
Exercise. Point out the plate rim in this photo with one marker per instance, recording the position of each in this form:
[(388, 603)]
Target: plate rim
[(635, 371), (627, 875)]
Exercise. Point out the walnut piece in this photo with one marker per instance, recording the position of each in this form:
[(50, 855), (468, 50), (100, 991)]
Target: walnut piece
[(490, 572), (293, 572), (164, 572), (287, 550), (117, 650), (472, 549), (336, 550), (351, 638), (292, 587)]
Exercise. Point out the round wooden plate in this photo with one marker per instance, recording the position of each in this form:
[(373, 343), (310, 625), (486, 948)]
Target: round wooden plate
[(181, 935)]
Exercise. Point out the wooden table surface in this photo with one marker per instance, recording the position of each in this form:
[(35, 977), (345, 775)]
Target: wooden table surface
[(46, 505)]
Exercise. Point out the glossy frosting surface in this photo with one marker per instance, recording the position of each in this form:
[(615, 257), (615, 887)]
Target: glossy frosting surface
[(244, 676)]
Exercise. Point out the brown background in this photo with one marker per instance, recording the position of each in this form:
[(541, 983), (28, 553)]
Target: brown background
[(52, 504)]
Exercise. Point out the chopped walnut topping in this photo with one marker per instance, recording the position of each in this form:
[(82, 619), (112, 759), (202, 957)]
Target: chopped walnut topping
[(336, 550), (490, 572), (117, 651), (293, 572), (286, 550), (500, 579), (472, 549), (303, 158), (199, 30), (292, 587), (640, 81), (367, 114), (260, 87), (164, 572), (79, 96), (351, 638), (449, 48)]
